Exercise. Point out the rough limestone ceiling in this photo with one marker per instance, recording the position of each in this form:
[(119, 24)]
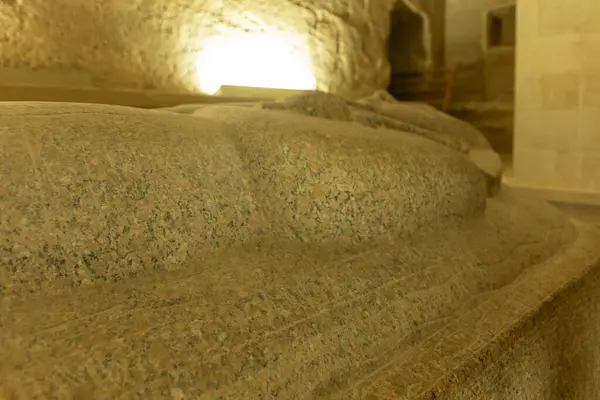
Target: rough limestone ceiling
[(164, 43)]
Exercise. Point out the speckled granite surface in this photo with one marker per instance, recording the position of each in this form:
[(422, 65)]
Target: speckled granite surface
[(382, 111), (99, 193), (243, 253)]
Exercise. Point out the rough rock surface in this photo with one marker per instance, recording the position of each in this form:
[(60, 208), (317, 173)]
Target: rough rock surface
[(154, 44), (242, 252)]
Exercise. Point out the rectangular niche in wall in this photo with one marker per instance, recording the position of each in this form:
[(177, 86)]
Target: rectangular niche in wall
[(501, 27)]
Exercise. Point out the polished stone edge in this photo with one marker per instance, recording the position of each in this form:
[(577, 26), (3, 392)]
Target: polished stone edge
[(490, 164), (467, 344)]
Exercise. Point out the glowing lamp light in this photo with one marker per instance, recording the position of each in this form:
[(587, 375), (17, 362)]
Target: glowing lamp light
[(265, 60)]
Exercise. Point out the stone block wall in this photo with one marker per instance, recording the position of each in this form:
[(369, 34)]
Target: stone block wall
[(557, 127), (465, 35), (483, 92), (489, 68)]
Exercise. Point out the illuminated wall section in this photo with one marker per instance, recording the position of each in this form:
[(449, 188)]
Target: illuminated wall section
[(339, 46), (196, 45), (268, 59)]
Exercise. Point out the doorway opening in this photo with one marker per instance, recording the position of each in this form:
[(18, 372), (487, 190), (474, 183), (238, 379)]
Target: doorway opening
[(409, 49), (501, 27)]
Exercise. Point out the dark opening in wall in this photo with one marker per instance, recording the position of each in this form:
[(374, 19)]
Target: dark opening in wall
[(406, 46), (407, 50), (501, 29)]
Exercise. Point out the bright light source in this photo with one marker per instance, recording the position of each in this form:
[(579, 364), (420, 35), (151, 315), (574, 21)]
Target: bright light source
[(269, 60)]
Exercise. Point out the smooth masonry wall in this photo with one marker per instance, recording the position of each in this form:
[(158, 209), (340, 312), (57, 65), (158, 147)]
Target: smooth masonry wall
[(557, 127)]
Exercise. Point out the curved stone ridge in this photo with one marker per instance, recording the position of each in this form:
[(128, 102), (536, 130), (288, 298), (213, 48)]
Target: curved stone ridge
[(382, 111), (289, 321), (100, 192), (242, 252)]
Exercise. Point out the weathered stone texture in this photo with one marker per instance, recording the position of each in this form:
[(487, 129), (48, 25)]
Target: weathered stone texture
[(154, 44)]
